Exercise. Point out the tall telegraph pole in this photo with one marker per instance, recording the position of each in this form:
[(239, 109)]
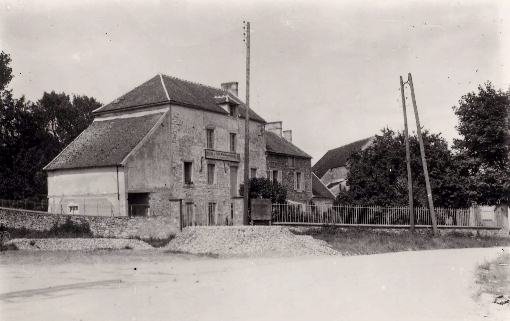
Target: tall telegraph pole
[(246, 194), (423, 160), (408, 159)]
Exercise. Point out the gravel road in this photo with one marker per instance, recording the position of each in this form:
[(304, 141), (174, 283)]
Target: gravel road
[(78, 244), (153, 285)]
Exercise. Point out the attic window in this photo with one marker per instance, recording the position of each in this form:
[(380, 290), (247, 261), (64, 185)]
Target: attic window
[(232, 111)]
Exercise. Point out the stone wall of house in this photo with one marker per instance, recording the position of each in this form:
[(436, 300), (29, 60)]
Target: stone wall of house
[(101, 226), (157, 167), (289, 168), (189, 144)]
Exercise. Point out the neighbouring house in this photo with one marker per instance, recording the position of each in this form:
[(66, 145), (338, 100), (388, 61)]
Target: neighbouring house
[(287, 164), (332, 170), (322, 196), (167, 147)]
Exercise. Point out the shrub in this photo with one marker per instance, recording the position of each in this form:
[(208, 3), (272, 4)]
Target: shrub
[(265, 188), (70, 229), (157, 242)]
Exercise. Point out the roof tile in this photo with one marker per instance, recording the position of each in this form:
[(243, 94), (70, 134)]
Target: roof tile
[(319, 189), (180, 91), (279, 145), (338, 157), (104, 143)]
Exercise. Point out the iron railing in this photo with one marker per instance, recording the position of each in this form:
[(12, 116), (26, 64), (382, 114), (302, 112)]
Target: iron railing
[(25, 204), (77, 207), (377, 215)]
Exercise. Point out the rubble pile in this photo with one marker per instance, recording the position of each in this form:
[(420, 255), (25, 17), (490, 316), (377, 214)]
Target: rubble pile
[(252, 241)]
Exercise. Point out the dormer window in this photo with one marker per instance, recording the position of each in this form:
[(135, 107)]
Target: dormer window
[(232, 111)]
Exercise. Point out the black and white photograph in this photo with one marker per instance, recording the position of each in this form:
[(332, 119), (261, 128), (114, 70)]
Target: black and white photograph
[(245, 160)]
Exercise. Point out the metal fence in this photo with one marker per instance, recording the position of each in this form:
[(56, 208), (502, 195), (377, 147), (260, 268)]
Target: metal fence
[(78, 207), (25, 204), (376, 215)]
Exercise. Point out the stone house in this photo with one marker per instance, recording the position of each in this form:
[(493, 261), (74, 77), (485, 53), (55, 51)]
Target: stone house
[(332, 170), (288, 164), (168, 146)]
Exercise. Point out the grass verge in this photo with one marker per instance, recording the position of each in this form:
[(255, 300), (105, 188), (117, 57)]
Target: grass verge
[(157, 242), (362, 241), (68, 229), (494, 277)]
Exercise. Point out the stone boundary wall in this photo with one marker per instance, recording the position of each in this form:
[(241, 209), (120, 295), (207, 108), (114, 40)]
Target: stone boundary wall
[(101, 226)]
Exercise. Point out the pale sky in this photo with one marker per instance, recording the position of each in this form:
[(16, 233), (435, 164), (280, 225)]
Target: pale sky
[(328, 69)]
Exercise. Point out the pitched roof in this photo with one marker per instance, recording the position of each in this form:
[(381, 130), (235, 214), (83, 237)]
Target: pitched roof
[(162, 89), (319, 189), (105, 142), (279, 145), (338, 157)]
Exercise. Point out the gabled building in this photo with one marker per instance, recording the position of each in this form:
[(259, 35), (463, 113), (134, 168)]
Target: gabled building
[(168, 146), (288, 164), (332, 170), (322, 196)]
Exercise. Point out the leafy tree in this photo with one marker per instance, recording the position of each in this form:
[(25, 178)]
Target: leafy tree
[(483, 150), (5, 70), (32, 134), (378, 174), (66, 118), (265, 188)]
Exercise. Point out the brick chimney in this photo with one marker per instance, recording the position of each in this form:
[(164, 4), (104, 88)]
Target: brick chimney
[(274, 127), (232, 87), (287, 134)]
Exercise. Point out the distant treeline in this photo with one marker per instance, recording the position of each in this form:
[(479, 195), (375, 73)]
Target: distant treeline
[(33, 133)]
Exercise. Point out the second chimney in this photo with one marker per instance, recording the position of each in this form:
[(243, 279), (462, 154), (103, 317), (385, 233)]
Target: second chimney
[(287, 134), (232, 87), (274, 127)]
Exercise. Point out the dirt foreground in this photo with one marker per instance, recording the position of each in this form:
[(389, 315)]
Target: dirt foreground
[(426, 285)]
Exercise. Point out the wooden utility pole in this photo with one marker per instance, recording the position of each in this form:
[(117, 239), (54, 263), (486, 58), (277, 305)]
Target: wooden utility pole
[(408, 159), (246, 191), (423, 159)]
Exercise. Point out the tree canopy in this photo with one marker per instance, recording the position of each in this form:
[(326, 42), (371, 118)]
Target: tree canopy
[(32, 134), (483, 149), (477, 170), (378, 174)]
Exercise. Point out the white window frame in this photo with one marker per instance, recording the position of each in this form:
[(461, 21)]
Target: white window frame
[(279, 175)]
